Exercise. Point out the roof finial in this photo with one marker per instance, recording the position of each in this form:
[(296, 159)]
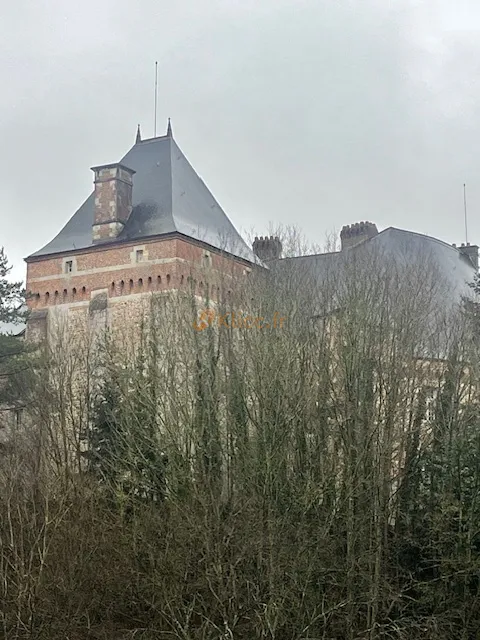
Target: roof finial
[(169, 129), (139, 135)]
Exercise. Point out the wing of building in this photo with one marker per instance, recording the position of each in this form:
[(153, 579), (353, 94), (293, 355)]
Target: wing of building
[(455, 266)]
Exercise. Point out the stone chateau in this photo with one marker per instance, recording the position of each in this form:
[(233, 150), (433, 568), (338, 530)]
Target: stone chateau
[(152, 225)]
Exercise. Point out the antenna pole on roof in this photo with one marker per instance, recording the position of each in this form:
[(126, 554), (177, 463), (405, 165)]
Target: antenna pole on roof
[(465, 211), (155, 108)]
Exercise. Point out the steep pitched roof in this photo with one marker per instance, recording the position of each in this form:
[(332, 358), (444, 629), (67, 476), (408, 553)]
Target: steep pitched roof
[(168, 197)]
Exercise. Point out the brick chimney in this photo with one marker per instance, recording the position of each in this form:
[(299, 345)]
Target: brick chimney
[(470, 251), (353, 234), (113, 200), (268, 248)]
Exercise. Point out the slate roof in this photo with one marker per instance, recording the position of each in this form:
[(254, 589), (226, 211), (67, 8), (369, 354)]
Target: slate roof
[(168, 197), (453, 268)]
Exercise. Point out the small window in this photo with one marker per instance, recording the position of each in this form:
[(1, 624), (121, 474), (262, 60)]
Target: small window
[(69, 266), (139, 255), (207, 259)]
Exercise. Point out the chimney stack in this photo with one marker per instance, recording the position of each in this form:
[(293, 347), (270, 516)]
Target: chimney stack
[(113, 200), (470, 251), (354, 234), (267, 248)]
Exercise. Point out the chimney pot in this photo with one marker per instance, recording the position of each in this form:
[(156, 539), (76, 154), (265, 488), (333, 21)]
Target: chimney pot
[(470, 252), (267, 248), (356, 233)]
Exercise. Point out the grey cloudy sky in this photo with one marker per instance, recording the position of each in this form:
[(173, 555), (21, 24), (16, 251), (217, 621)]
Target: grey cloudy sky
[(316, 113)]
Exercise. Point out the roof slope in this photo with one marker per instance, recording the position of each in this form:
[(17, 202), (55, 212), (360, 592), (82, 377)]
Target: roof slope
[(168, 197), (454, 269)]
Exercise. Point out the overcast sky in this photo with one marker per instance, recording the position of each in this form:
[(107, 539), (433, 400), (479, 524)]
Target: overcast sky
[(316, 113)]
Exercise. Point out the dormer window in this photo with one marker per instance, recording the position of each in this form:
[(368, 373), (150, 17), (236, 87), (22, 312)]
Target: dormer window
[(68, 266), (139, 255)]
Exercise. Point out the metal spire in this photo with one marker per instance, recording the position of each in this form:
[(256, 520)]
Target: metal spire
[(139, 135), (156, 97), (169, 129)]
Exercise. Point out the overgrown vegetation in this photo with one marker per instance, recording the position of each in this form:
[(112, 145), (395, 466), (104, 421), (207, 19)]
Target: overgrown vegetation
[(321, 480)]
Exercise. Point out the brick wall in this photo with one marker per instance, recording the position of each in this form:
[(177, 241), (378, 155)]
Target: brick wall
[(128, 270)]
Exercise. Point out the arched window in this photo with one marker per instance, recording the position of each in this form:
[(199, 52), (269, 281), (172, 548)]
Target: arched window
[(47, 297), (168, 278), (140, 283), (130, 284), (122, 286)]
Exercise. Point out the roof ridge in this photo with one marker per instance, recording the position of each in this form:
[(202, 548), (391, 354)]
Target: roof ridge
[(154, 139), (422, 235)]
